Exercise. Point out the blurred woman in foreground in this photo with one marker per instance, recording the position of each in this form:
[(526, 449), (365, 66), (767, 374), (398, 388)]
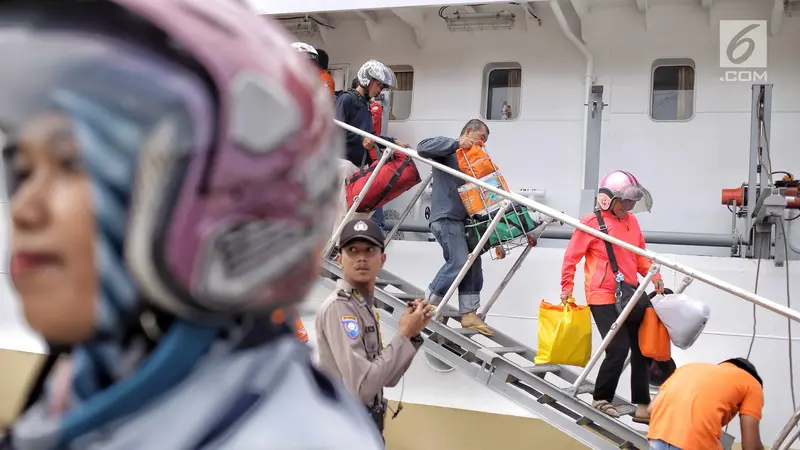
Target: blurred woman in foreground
[(158, 222)]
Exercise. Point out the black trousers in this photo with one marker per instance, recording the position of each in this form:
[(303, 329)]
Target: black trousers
[(617, 351)]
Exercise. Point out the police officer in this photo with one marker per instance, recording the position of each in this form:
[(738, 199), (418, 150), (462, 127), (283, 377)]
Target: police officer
[(348, 328)]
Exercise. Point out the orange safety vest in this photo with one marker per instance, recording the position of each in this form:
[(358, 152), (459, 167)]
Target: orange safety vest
[(279, 317), (327, 81)]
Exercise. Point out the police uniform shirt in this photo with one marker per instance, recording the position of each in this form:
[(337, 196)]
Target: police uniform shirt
[(350, 347)]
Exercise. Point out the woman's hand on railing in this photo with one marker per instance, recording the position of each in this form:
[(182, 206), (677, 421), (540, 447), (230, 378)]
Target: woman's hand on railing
[(659, 285)]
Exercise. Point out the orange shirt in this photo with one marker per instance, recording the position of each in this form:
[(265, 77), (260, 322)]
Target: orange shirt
[(327, 81), (598, 278), (698, 400), (279, 316)]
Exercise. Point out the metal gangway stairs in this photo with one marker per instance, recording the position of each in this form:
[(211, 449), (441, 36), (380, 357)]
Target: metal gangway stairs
[(504, 364)]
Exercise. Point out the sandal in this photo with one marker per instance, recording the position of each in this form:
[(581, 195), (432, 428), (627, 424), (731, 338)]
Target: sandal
[(482, 329), (605, 408), (641, 417)]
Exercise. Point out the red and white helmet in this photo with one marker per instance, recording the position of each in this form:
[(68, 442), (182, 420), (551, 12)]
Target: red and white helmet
[(623, 186)]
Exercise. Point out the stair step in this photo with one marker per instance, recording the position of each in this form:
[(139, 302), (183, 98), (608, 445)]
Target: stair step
[(390, 282), (465, 331), (586, 388), (500, 350), (626, 410), (544, 368)]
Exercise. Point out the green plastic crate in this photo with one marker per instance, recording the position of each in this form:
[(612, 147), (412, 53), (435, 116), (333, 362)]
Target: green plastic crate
[(516, 223)]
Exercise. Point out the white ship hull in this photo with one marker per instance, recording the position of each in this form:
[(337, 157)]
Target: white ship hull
[(685, 164)]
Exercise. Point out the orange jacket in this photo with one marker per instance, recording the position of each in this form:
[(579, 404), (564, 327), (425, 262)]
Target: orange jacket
[(279, 317), (599, 282), (327, 81)]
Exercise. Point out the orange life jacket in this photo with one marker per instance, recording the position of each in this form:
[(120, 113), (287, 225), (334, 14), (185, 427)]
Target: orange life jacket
[(474, 161), (279, 317), (327, 81)]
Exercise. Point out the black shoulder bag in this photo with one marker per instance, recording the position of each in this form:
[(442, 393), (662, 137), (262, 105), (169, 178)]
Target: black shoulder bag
[(624, 291)]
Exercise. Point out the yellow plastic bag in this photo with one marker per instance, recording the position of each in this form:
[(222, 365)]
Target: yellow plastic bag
[(565, 334)]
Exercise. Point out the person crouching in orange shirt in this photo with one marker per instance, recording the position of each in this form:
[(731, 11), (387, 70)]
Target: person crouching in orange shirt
[(620, 196), (699, 399)]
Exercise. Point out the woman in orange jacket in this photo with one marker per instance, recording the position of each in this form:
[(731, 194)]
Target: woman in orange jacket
[(619, 197)]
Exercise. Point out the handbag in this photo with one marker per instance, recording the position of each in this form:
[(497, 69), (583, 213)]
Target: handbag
[(395, 177), (624, 291), (564, 334), (653, 337)]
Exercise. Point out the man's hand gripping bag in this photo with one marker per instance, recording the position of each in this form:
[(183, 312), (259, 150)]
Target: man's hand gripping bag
[(684, 317), (565, 334)]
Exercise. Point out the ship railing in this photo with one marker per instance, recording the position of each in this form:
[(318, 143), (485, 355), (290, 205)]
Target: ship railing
[(788, 434)]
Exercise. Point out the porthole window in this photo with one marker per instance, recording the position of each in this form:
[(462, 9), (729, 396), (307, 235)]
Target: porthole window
[(401, 97), (672, 90), (502, 91)]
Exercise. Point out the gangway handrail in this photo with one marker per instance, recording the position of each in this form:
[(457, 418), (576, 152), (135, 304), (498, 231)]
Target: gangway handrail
[(560, 216)]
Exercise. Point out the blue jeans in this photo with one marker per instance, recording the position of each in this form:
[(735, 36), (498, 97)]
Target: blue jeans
[(377, 217), (661, 445), (450, 234)]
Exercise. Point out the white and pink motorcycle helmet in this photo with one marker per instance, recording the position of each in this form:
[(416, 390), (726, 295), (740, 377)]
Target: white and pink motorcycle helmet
[(623, 186)]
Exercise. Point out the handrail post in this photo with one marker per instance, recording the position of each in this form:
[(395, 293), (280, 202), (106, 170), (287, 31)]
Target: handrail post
[(786, 432), (410, 205), (790, 440), (615, 327), (517, 264), (356, 202), (504, 283), (472, 257), (687, 280)]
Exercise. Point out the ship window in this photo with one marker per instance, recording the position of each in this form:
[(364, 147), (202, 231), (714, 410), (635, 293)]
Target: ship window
[(339, 73), (672, 95), (502, 91), (401, 97)]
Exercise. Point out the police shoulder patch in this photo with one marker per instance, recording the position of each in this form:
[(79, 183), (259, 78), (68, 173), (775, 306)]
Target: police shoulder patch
[(350, 324)]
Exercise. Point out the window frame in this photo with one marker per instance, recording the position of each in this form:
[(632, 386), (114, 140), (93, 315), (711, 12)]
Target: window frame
[(488, 68), (346, 68), (672, 62), (411, 105)]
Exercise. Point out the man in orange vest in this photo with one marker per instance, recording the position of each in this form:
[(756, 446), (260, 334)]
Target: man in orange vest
[(324, 74)]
